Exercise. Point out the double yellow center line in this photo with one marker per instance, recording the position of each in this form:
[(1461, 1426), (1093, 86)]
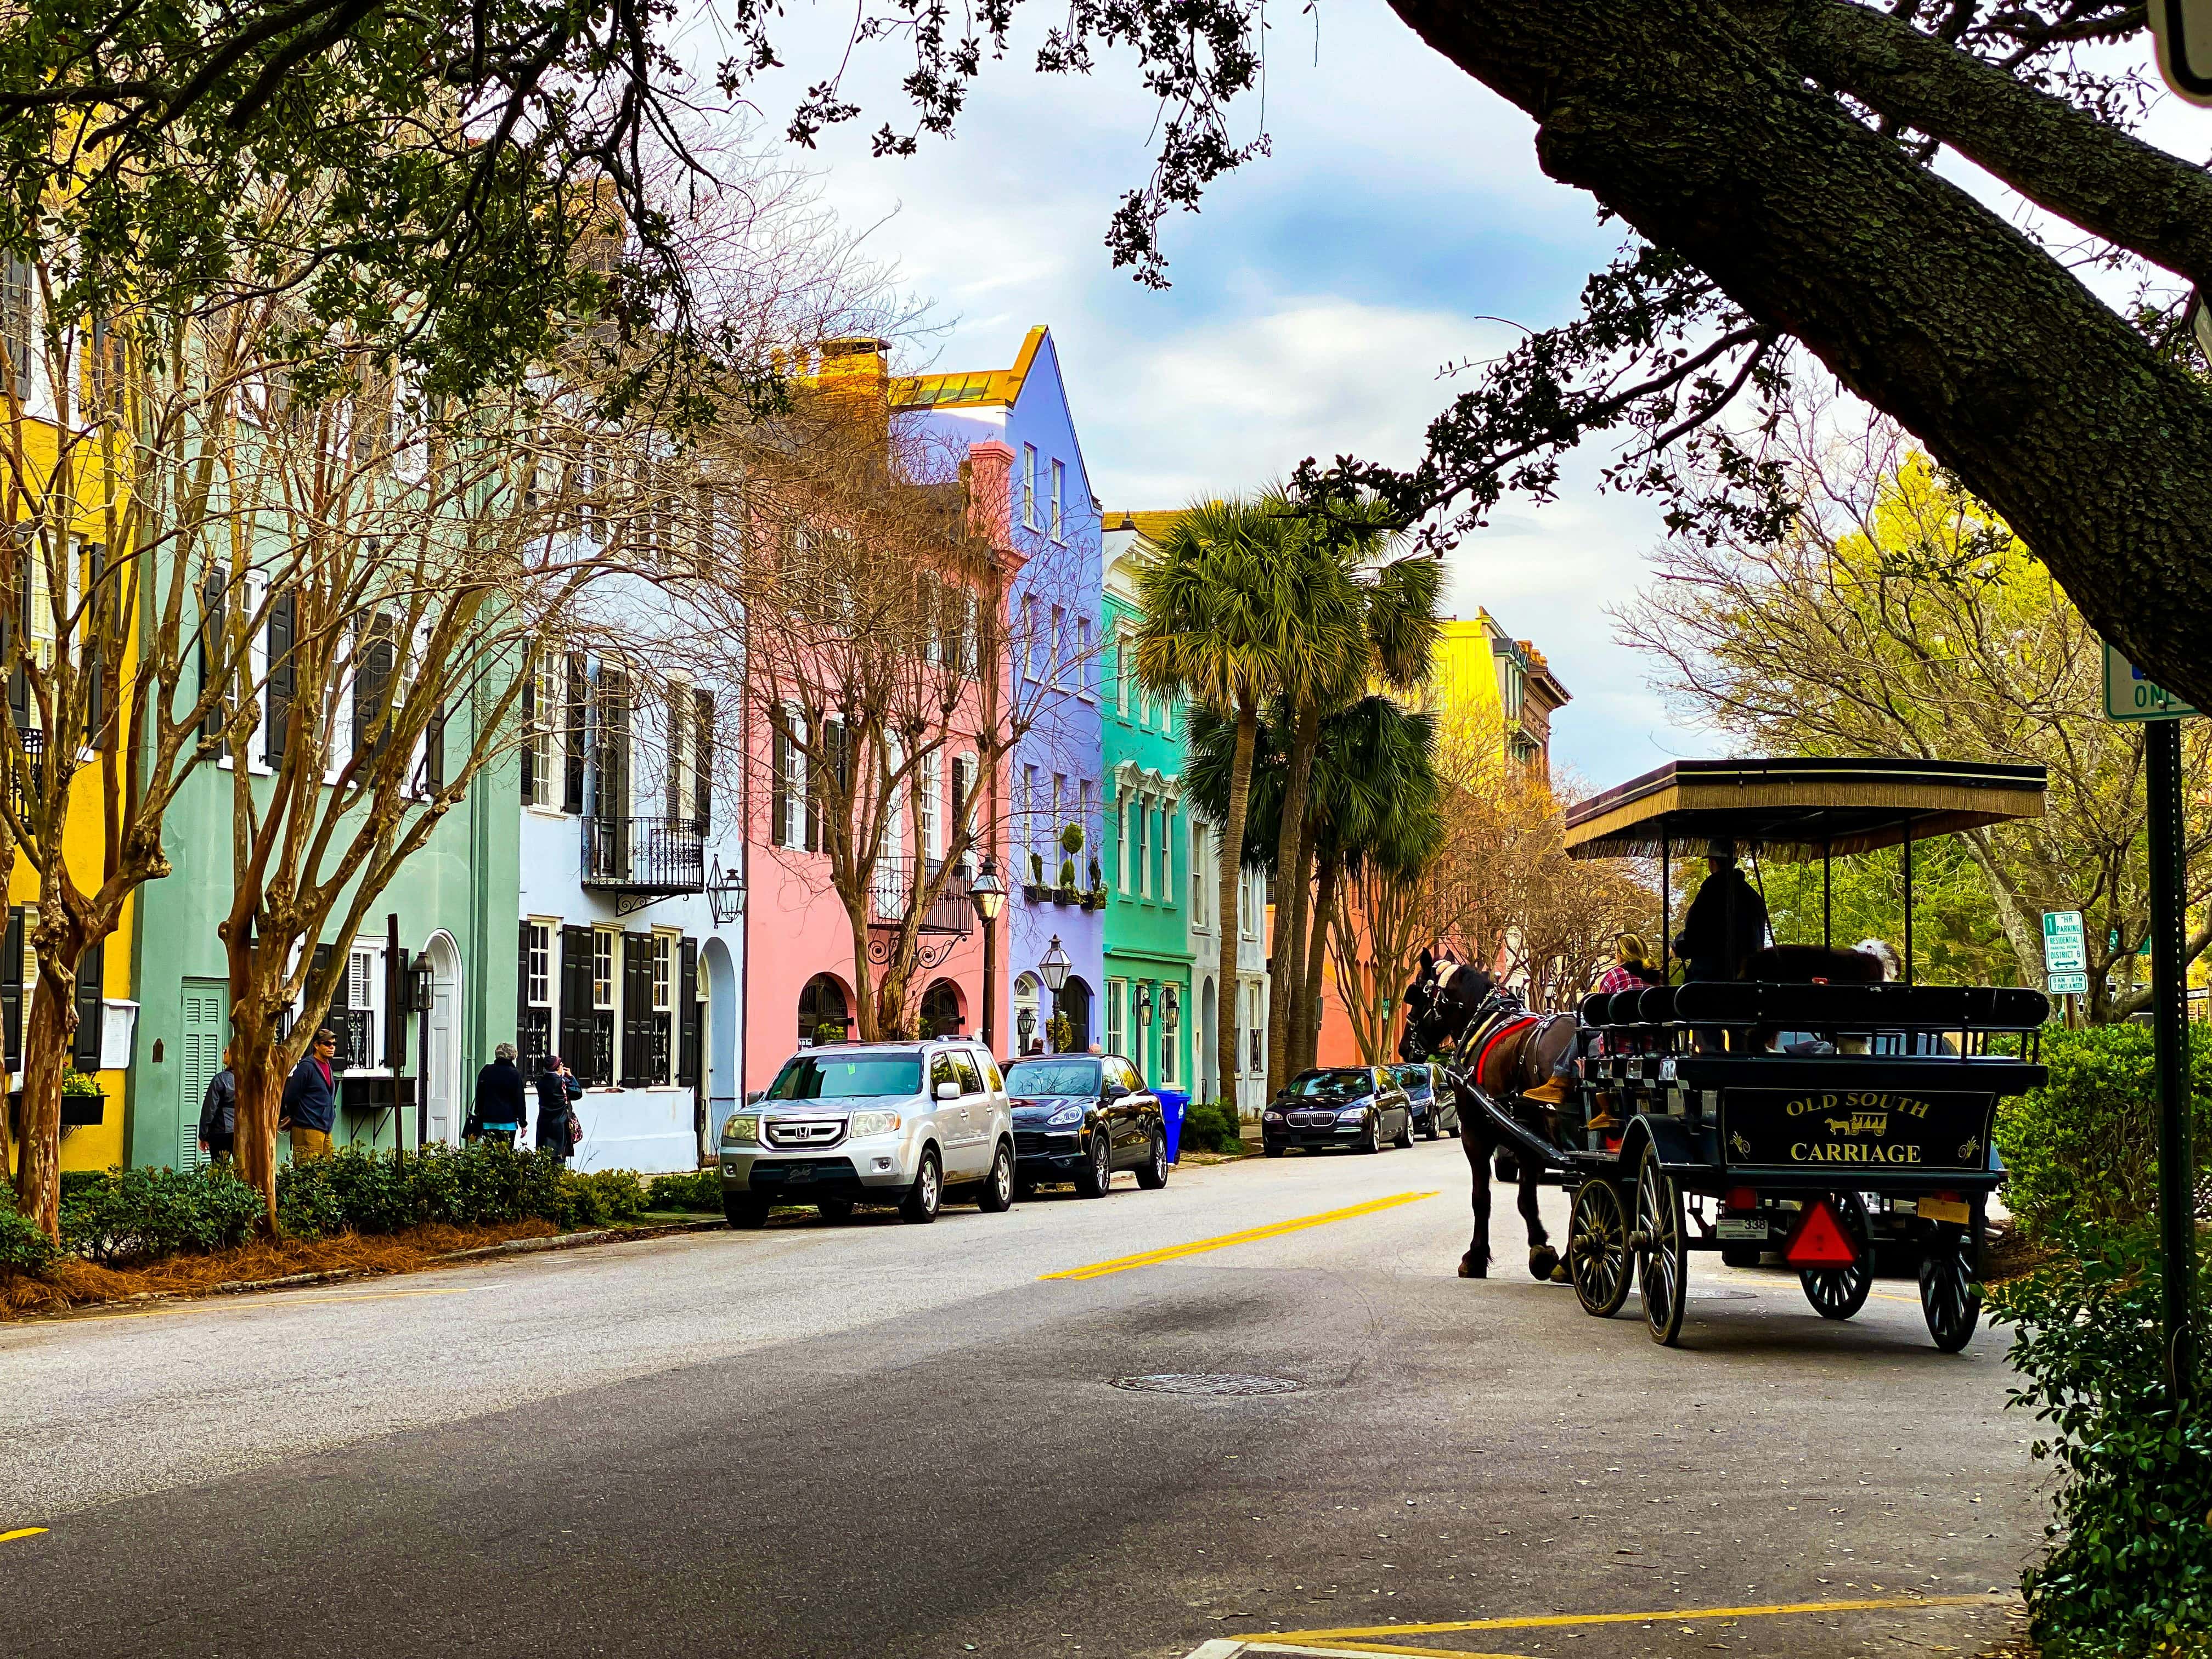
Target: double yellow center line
[(1123, 1264)]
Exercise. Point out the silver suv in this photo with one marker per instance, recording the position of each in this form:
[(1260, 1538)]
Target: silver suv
[(900, 1124)]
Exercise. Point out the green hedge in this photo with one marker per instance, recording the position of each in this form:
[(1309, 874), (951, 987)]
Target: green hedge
[(134, 1215), (24, 1249), (694, 1189), (1209, 1126), (2084, 1148), (2129, 1570)]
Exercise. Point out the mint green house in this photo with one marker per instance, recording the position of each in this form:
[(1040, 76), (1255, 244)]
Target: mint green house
[(1149, 1016), (407, 1071)]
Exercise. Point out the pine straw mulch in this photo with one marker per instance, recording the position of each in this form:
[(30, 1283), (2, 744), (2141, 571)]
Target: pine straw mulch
[(78, 1284), (2010, 1252)]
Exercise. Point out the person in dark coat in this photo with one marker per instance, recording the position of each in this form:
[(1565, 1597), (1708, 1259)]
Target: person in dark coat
[(501, 1104), (219, 1114), (310, 1107), (557, 1092), (1727, 921)]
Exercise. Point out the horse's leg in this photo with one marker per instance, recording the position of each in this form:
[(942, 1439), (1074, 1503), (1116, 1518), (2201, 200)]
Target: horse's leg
[(1475, 1264), (1543, 1261)]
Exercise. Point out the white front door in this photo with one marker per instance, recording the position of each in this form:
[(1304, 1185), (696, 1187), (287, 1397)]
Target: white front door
[(444, 1125)]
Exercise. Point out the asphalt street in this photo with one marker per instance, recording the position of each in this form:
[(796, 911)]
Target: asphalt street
[(881, 1439)]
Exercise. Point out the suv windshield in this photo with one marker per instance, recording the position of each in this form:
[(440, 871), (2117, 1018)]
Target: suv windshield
[(1410, 1077), (807, 1077), (1036, 1078), (1335, 1084)]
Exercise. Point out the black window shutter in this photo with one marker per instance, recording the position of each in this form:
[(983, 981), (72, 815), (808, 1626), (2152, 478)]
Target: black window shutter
[(91, 988), (99, 641), (11, 986), (702, 759), (687, 1015), (433, 750), (578, 1044), (679, 713), (211, 622), (522, 977), (637, 1012), (572, 787), (530, 730), (372, 685), (833, 742), (284, 674), (614, 766), (19, 687)]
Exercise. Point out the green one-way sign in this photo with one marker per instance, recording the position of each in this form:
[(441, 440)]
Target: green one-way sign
[(2130, 696)]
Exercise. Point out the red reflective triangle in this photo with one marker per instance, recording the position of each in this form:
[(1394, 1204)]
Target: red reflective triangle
[(1820, 1240)]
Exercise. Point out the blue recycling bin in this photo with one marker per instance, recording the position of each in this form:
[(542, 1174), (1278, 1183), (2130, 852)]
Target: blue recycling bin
[(1173, 1103)]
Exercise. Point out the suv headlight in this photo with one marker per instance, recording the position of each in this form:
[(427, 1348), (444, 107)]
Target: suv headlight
[(1071, 1113), (743, 1128), (870, 1123)]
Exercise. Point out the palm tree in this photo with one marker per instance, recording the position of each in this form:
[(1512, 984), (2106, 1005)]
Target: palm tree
[(1356, 615), (1212, 598)]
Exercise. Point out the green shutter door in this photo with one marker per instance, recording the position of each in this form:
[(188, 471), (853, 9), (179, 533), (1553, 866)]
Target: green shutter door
[(205, 1001)]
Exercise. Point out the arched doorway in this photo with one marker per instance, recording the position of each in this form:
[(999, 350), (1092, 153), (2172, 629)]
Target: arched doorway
[(1028, 1013), (943, 1010), (1075, 1008), (441, 1060), (1209, 1042), (724, 1091), (824, 1012)]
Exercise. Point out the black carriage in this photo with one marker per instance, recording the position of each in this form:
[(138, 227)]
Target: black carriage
[(1821, 1120)]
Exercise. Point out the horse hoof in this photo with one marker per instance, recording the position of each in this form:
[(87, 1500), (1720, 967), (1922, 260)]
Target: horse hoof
[(1543, 1262), (1473, 1269), (1561, 1276)]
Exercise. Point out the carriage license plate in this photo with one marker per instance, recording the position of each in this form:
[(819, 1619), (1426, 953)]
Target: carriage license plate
[(1944, 1209), (1741, 1227)]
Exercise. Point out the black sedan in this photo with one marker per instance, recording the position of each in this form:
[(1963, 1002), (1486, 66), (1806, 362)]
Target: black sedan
[(1080, 1117), (1355, 1107), (1436, 1108)]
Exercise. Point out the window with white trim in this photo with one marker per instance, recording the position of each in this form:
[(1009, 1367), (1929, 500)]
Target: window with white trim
[(1028, 485), (1059, 487), (1086, 668), (931, 780), (1144, 848), (538, 989), (606, 944), (1032, 639), (1117, 1001)]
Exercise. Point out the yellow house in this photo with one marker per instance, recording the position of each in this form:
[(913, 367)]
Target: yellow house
[(1487, 687), (36, 464)]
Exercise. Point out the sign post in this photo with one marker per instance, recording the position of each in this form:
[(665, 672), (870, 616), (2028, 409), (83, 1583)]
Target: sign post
[(2182, 30), (2128, 697)]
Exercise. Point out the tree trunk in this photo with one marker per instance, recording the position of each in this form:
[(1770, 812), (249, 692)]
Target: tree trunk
[(1306, 1023), (259, 1071), (1232, 847), (1923, 301), (46, 1052), (1293, 850)]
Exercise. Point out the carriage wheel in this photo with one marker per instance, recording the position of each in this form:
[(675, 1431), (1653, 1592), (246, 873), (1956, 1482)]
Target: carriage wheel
[(1950, 1297), (1597, 1249), (1839, 1292), (1663, 1257)]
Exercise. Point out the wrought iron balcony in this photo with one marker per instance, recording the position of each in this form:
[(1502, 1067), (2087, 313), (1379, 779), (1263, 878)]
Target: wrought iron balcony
[(645, 857), (946, 920)]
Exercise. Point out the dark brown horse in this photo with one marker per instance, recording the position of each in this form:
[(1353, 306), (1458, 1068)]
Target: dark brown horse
[(1456, 1015)]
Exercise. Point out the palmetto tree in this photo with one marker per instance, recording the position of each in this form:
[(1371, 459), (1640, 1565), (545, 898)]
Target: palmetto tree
[(1356, 615), (1213, 597)]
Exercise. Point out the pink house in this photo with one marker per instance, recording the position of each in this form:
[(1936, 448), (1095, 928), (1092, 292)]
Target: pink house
[(801, 986)]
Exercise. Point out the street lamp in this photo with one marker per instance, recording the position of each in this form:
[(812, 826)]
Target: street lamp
[(989, 895), (1054, 969)]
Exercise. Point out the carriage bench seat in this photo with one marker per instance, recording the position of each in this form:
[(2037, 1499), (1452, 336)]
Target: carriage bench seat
[(1861, 1007)]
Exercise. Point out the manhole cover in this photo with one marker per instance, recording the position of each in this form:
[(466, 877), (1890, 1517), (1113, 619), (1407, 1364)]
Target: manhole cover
[(1212, 1382)]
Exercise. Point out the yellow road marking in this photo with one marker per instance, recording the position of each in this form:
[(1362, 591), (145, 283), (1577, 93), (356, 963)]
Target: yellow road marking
[(20, 1532), (1680, 1615), (1250, 1235)]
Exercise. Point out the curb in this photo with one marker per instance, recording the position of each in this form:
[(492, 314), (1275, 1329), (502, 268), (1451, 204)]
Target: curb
[(340, 1275)]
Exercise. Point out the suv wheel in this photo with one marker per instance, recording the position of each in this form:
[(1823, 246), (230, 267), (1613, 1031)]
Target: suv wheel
[(1097, 1174), (748, 1211), (922, 1202), (1152, 1173), (998, 1193)]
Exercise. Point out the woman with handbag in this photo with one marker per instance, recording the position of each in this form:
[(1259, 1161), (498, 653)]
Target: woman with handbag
[(558, 1128)]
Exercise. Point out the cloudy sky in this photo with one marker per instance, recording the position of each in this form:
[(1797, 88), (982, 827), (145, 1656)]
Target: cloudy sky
[(1401, 224)]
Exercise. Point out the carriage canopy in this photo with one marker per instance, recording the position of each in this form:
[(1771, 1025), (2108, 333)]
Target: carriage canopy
[(1793, 810)]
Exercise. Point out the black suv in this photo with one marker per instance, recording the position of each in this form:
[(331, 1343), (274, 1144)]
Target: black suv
[(1356, 1107), (1080, 1117)]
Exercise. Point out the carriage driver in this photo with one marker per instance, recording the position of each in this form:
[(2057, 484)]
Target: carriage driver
[(1726, 925)]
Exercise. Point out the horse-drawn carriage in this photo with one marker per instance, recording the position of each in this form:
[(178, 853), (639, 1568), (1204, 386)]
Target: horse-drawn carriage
[(1785, 1110)]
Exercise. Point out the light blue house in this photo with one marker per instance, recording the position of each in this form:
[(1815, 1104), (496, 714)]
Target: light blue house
[(1051, 841)]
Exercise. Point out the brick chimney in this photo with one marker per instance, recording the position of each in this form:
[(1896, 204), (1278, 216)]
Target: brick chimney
[(990, 473)]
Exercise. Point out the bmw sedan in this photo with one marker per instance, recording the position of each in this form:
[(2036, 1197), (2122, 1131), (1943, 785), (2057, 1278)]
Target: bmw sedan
[(1355, 1107), (1435, 1109), (1079, 1118)]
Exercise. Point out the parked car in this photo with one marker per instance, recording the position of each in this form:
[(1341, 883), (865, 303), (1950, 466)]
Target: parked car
[(903, 1123), (1080, 1117), (1357, 1107), (1436, 1108)]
